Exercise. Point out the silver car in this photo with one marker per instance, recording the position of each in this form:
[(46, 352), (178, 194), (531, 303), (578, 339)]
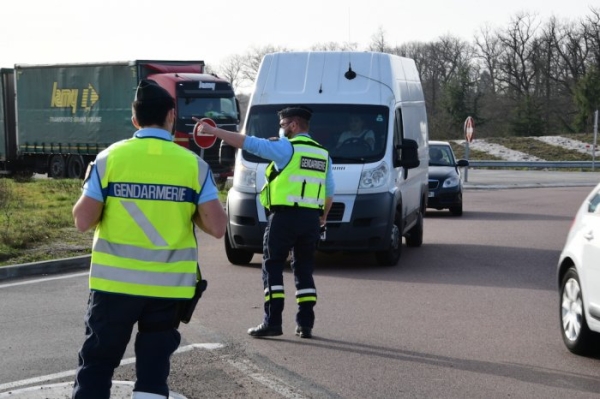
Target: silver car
[(579, 279)]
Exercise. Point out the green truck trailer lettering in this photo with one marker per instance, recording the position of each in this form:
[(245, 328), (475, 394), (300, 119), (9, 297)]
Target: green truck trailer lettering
[(67, 98), (68, 113)]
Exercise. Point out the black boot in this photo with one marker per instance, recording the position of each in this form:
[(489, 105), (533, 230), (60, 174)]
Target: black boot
[(304, 332), (264, 330)]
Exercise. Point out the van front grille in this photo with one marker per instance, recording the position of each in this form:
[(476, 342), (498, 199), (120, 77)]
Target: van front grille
[(336, 213)]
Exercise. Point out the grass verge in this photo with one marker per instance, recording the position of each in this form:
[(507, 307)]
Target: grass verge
[(36, 222)]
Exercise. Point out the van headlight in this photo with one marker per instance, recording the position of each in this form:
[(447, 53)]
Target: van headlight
[(373, 178), (244, 179)]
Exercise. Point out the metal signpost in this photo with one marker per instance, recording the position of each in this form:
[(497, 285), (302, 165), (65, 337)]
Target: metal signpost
[(469, 130), (595, 140)]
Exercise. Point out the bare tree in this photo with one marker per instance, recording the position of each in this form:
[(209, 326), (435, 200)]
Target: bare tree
[(591, 29), (378, 42), (568, 41), (489, 50), (521, 78), (253, 58), (519, 56), (451, 54), (333, 46), (232, 70)]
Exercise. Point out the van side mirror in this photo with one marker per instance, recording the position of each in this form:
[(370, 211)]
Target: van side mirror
[(409, 155), (226, 155)]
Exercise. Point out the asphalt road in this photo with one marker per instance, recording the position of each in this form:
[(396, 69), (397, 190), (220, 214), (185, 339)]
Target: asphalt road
[(471, 314)]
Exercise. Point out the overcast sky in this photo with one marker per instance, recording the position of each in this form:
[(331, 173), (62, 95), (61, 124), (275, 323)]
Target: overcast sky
[(65, 31)]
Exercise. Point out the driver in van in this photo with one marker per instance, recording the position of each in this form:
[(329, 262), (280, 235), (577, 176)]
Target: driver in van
[(356, 130)]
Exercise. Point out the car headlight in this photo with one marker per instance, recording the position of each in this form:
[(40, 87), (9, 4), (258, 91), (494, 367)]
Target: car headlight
[(373, 178), (451, 182)]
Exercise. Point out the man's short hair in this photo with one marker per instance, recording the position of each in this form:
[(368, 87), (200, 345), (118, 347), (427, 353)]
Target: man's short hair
[(299, 111), (152, 103)]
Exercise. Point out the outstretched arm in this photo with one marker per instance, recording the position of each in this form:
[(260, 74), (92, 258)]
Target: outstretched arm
[(232, 138)]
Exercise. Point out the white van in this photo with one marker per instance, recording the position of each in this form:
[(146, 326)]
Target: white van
[(381, 183)]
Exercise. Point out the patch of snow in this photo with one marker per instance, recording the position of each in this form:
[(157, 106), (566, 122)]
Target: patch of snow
[(569, 144), (506, 154), (499, 151)]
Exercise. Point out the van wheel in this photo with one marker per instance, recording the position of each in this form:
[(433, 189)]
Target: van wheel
[(576, 334), (236, 256), (391, 256), (414, 238)]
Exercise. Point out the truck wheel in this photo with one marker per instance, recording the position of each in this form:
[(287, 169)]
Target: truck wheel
[(414, 238), (57, 167), (236, 256), (75, 167), (391, 256)]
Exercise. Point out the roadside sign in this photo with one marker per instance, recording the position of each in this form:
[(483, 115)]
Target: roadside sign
[(204, 140), (469, 129)]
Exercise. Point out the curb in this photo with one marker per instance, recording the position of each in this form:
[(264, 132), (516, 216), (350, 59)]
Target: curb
[(476, 186), (45, 267)]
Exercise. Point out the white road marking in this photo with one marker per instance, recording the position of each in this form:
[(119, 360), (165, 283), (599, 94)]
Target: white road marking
[(41, 280), (245, 366), (271, 382), (71, 373)]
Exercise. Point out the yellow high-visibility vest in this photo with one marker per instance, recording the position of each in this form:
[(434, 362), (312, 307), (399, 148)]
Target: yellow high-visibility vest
[(144, 244), (302, 181)]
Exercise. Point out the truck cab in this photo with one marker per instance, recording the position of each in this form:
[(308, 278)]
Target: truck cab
[(200, 95)]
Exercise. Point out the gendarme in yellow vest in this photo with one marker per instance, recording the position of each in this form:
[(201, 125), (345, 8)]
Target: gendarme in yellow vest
[(302, 181), (145, 244)]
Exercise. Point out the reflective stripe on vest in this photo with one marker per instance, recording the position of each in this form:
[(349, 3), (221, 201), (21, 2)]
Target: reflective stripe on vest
[(141, 219), (144, 254), (143, 277), (147, 245)]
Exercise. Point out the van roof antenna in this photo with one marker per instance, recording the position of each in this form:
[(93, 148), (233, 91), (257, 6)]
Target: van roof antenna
[(350, 74)]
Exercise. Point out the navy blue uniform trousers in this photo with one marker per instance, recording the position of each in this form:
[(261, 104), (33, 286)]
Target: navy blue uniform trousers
[(109, 322), (297, 230)]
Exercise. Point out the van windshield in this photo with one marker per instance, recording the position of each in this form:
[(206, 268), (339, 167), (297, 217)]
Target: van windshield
[(351, 133)]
